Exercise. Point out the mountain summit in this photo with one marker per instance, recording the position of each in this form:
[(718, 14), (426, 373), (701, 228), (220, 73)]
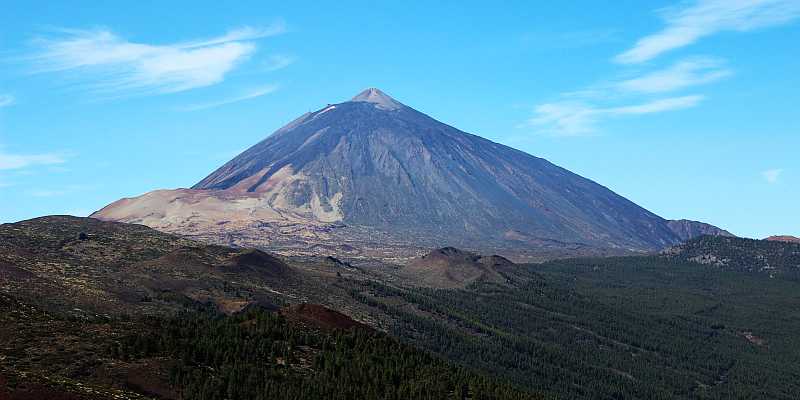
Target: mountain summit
[(372, 165), (380, 99)]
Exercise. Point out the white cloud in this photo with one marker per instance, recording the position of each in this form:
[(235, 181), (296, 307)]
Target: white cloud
[(111, 64), (683, 74), (575, 119), (278, 61), (18, 161), (565, 118), (264, 90), (6, 100), (689, 22), (660, 105), (579, 111), (772, 175)]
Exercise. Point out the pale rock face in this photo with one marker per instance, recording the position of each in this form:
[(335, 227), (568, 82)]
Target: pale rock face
[(686, 229), (372, 163)]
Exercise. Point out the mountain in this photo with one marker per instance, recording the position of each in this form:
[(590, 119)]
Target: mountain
[(784, 238), (373, 169), (686, 229)]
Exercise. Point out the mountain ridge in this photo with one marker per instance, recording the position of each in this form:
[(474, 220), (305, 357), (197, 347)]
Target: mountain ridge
[(375, 164)]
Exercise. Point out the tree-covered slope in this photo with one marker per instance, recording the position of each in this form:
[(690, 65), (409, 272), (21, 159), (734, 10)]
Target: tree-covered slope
[(629, 327), (203, 355), (775, 258)]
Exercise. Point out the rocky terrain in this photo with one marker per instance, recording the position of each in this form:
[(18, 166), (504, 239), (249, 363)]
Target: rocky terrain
[(371, 177), (86, 266)]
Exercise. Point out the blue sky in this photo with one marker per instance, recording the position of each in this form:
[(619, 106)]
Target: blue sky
[(687, 108)]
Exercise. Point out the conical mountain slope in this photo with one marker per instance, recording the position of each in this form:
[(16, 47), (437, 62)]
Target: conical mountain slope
[(375, 163)]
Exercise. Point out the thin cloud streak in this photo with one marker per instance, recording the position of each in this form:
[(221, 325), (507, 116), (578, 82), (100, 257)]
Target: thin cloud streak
[(689, 22), (685, 24), (578, 119), (683, 74), (247, 96), (18, 161), (109, 64)]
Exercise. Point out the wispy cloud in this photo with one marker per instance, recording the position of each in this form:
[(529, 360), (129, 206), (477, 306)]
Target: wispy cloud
[(6, 100), (258, 92), (18, 161), (683, 74), (638, 92), (278, 61), (772, 175), (689, 22), (110, 64), (579, 112), (576, 119)]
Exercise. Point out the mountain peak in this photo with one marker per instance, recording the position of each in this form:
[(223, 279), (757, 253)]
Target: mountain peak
[(379, 98), (374, 165)]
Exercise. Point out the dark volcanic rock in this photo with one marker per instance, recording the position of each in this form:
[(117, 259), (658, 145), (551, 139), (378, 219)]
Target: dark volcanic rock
[(319, 316), (259, 262), (450, 267)]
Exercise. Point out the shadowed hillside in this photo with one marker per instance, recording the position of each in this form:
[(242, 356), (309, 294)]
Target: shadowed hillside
[(449, 267)]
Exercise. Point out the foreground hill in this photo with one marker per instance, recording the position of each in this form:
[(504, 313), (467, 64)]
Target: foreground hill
[(96, 310), (373, 167), (110, 310), (250, 356), (86, 266), (112, 268)]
